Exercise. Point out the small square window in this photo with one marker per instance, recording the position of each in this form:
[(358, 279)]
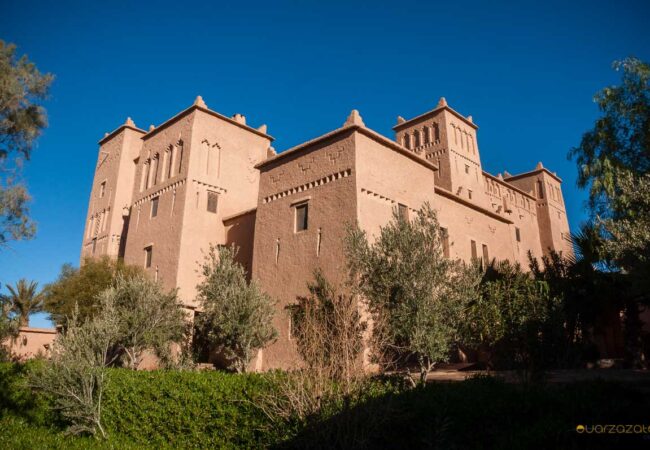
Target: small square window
[(212, 201), (154, 206), (302, 217), (403, 211), (102, 189), (148, 255)]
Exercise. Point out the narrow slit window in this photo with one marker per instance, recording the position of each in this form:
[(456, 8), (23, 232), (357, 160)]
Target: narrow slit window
[(469, 193), (148, 256), (154, 206), (466, 168), (102, 189), (486, 256), (302, 217), (213, 198), (518, 234), (474, 252), (444, 234)]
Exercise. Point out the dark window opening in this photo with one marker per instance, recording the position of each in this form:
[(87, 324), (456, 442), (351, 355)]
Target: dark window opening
[(154, 206), (518, 234), (486, 257), (302, 217), (403, 211), (212, 201), (474, 253), (148, 255)]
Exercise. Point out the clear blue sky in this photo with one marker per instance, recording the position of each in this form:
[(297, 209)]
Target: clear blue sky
[(527, 73)]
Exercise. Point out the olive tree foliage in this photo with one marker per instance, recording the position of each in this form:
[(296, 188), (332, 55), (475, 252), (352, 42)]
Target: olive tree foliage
[(147, 318), (22, 119), (415, 295), (76, 374), (236, 315), (77, 289)]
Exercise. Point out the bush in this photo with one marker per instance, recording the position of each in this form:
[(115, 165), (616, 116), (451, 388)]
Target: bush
[(188, 409)]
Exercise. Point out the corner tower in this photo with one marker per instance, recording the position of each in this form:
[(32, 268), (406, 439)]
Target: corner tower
[(111, 194)]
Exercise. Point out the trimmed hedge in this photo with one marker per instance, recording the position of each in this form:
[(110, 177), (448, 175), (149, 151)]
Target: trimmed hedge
[(188, 409)]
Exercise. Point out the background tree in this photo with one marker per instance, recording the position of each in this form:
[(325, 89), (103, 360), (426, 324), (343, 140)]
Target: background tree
[(77, 289), (25, 300), (22, 120), (147, 318), (415, 295), (8, 327), (620, 139), (237, 316)]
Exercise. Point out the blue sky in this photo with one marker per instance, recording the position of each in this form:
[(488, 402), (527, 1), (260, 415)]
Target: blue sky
[(526, 72)]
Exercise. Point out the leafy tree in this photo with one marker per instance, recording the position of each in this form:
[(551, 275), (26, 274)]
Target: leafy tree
[(512, 316), (77, 372), (8, 326), (329, 331), (25, 300), (22, 120), (620, 139), (236, 315), (146, 317), (77, 289), (414, 294)]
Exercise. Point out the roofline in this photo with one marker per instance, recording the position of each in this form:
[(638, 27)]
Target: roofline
[(38, 330), (192, 108), (510, 186), (349, 128), (452, 196), (115, 132), (436, 109), (533, 172), (239, 214)]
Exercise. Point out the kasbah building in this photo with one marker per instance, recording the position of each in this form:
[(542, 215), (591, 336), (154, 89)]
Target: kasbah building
[(161, 197)]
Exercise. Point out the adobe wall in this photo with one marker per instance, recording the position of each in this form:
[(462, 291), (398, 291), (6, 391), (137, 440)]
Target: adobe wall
[(322, 175), (240, 231), (163, 231), (32, 342), (222, 159)]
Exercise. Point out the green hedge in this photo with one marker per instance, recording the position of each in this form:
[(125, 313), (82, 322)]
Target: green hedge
[(188, 409)]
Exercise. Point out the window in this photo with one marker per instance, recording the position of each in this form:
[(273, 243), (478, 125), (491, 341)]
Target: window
[(154, 206), (212, 201), (444, 233), (517, 234), (427, 134), (466, 168), (148, 255), (486, 257), (102, 189), (403, 211), (416, 138), (94, 245), (540, 189), (474, 253), (469, 193), (407, 140), (170, 162), (436, 132), (302, 217)]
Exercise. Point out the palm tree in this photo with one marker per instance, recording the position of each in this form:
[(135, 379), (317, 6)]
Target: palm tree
[(25, 300)]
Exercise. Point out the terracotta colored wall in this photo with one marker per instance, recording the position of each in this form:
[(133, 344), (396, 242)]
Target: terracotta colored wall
[(324, 176), (32, 342)]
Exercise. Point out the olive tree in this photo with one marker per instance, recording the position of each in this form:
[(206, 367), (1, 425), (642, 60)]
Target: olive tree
[(236, 315), (414, 293)]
